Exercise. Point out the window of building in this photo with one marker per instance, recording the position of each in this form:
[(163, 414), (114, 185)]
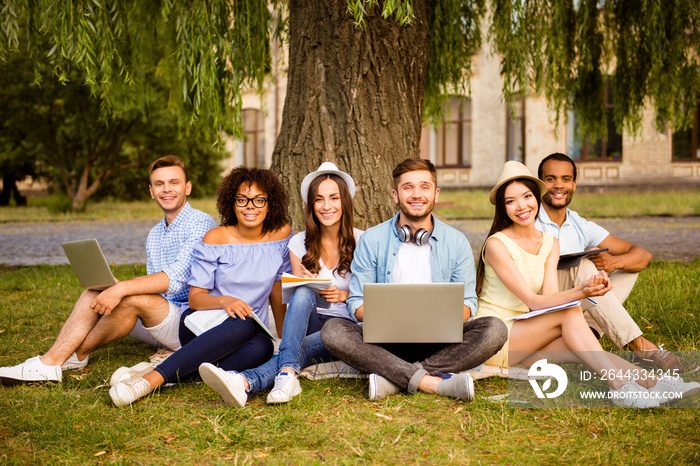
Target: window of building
[(453, 141), (515, 130), (253, 137), (686, 143), (600, 150)]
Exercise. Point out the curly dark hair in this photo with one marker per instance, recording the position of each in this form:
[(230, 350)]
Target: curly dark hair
[(268, 182)]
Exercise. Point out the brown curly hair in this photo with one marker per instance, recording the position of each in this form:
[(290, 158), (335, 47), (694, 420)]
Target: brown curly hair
[(268, 182)]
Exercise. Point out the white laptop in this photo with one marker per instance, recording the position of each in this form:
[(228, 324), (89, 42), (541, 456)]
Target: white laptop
[(413, 313), (89, 264)]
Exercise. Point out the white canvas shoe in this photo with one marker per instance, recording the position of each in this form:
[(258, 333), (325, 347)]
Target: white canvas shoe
[(675, 388), (125, 393), (228, 384), (286, 387), (31, 370), (75, 364), (125, 373), (632, 395)]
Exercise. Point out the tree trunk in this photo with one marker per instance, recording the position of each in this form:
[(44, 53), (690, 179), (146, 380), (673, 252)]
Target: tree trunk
[(354, 98)]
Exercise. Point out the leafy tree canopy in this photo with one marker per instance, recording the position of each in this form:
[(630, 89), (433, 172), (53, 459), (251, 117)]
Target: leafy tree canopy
[(57, 131), (214, 49)]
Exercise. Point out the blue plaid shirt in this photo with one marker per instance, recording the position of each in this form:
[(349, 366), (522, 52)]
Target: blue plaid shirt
[(169, 249)]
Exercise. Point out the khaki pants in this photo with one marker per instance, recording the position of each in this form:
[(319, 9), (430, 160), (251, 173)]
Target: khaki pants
[(608, 316)]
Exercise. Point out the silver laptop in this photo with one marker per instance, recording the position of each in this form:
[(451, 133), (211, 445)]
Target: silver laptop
[(413, 313), (89, 264)]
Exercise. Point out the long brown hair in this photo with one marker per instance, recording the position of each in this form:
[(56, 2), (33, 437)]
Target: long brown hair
[(501, 221), (346, 240)]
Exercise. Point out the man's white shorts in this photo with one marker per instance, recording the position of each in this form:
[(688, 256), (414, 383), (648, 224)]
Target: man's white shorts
[(164, 335)]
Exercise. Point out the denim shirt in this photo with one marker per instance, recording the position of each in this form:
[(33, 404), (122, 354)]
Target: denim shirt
[(451, 260)]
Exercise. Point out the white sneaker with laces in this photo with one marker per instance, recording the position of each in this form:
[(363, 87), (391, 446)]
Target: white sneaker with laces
[(380, 388), (229, 384), (632, 395), (286, 387), (125, 393), (675, 388), (75, 364), (125, 373), (31, 370)]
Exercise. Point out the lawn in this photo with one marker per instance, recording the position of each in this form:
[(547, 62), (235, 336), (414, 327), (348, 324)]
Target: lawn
[(332, 421)]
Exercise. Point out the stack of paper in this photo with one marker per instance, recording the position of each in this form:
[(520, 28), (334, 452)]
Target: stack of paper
[(291, 282), (200, 321), (538, 312)]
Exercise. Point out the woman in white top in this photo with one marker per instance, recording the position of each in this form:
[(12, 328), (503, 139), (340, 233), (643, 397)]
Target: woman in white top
[(324, 250)]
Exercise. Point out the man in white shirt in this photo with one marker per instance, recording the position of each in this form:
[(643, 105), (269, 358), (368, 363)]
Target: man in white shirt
[(623, 261)]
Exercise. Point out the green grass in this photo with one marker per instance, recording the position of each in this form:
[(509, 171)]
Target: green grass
[(475, 204), (38, 209), (460, 203), (332, 421)]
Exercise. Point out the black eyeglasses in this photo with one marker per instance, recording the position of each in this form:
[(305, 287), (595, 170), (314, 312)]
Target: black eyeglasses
[(258, 202)]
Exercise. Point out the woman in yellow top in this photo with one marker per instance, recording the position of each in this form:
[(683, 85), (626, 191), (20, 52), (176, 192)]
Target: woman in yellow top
[(517, 272)]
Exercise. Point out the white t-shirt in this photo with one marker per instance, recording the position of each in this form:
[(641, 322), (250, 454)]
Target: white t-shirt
[(297, 247), (413, 264)]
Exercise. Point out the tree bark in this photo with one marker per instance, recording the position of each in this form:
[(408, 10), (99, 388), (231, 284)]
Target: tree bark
[(354, 98)]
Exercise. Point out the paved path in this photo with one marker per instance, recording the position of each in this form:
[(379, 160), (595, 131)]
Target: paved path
[(668, 238)]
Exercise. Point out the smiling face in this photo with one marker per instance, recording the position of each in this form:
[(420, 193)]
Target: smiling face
[(328, 207), (416, 194), (559, 178), (520, 204), (251, 216), (170, 189)]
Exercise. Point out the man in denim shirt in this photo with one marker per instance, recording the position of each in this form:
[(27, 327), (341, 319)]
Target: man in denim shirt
[(430, 252), (147, 306)]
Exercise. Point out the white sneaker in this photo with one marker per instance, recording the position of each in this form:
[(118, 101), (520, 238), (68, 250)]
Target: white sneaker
[(286, 387), (75, 364), (125, 393), (380, 388), (632, 395), (229, 384), (125, 373), (675, 388), (31, 370)]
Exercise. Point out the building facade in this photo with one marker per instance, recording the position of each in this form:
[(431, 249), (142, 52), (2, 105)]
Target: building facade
[(480, 132)]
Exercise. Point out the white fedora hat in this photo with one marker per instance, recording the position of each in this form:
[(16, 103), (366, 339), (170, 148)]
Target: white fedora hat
[(326, 168), (512, 170)]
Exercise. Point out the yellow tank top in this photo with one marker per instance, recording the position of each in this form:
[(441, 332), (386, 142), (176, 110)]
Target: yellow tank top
[(498, 301)]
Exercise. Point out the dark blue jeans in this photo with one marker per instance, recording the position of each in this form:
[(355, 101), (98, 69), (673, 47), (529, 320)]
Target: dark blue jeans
[(235, 344), (406, 364)]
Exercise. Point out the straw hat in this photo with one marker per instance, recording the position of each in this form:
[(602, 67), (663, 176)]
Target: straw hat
[(324, 169), (510, 171)]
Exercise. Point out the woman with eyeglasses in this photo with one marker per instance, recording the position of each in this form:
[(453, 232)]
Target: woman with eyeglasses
[(236, 267), (325, 249)]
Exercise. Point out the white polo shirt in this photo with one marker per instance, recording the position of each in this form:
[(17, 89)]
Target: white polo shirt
[(576, 233)]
